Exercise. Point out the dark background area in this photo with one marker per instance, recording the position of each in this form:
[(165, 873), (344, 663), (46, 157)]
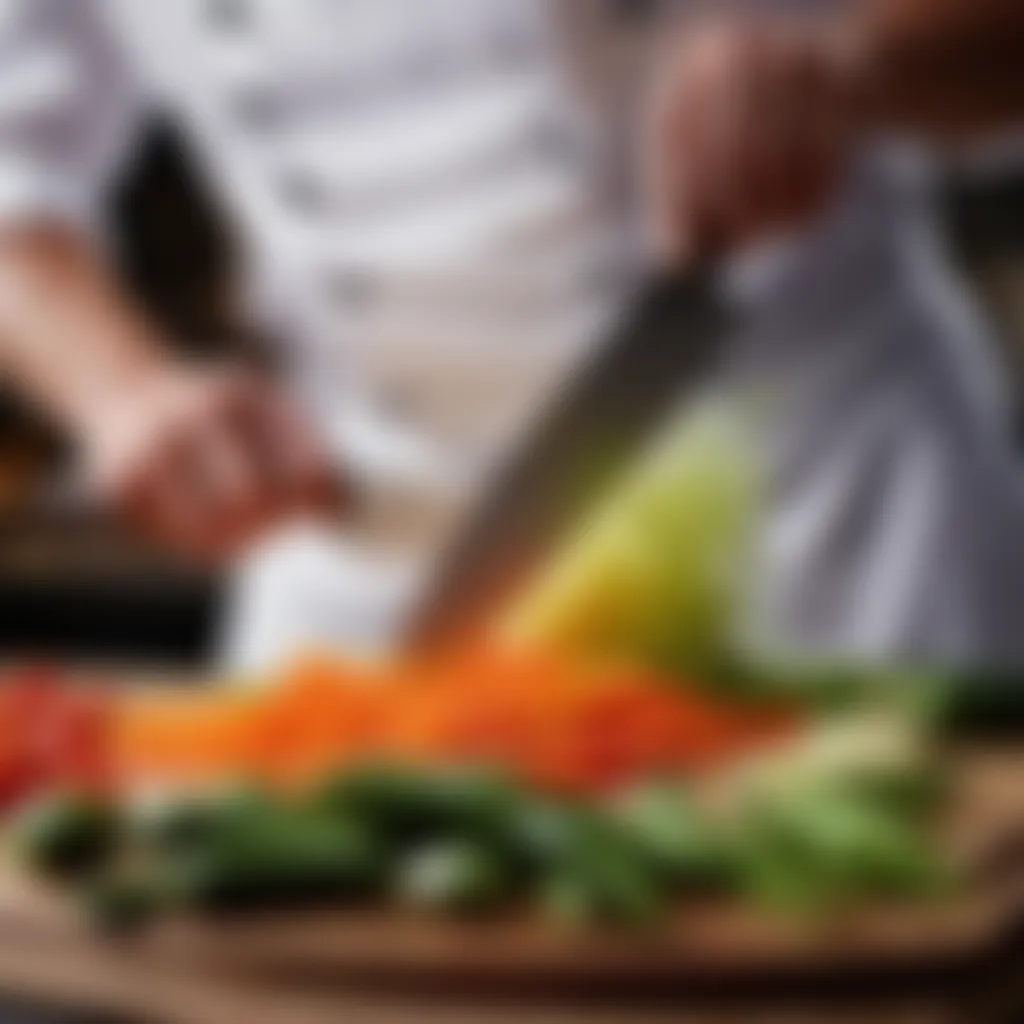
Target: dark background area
[(72, 583)]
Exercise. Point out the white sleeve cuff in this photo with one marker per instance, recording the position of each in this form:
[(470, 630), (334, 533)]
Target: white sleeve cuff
[(30, 194)]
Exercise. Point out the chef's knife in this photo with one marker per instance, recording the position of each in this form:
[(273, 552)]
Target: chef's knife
[(610, 406)]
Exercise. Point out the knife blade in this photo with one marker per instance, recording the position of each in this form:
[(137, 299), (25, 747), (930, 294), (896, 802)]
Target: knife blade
[(652, 359)]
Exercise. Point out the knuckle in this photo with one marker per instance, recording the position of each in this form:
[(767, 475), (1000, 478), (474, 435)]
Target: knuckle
[(122, 480), (717, 43), (121, 490), (702, 55), (224, 394)]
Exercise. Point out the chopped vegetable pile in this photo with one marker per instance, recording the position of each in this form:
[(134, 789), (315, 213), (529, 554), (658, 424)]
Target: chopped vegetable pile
[(547, 720), (465, 840), (594, 761), (592, 794)]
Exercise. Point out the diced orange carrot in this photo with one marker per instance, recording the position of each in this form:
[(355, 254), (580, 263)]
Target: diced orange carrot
[(553, 721)]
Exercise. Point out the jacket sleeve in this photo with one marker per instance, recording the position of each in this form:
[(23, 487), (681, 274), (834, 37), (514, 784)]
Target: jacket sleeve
[(67, 107)]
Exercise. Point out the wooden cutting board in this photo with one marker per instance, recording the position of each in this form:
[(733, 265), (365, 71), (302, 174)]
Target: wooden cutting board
[(712, 959)]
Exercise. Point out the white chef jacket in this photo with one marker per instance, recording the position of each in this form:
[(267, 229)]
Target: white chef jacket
[(886, 412), (403, 174), (416, 190)]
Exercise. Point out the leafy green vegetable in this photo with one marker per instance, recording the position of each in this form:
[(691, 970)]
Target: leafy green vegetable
[(595, 869), (405, 804), (654, 573), (120, 903), (883, 754), (179, 824), (543, 833), (813, 848), (456, 875), (66, 834), (678, 841), (242, 847), (604, 883), (291, 858), (841, 815)]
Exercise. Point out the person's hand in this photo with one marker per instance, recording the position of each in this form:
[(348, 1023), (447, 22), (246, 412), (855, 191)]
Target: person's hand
[(750, 128), (203, 460)]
